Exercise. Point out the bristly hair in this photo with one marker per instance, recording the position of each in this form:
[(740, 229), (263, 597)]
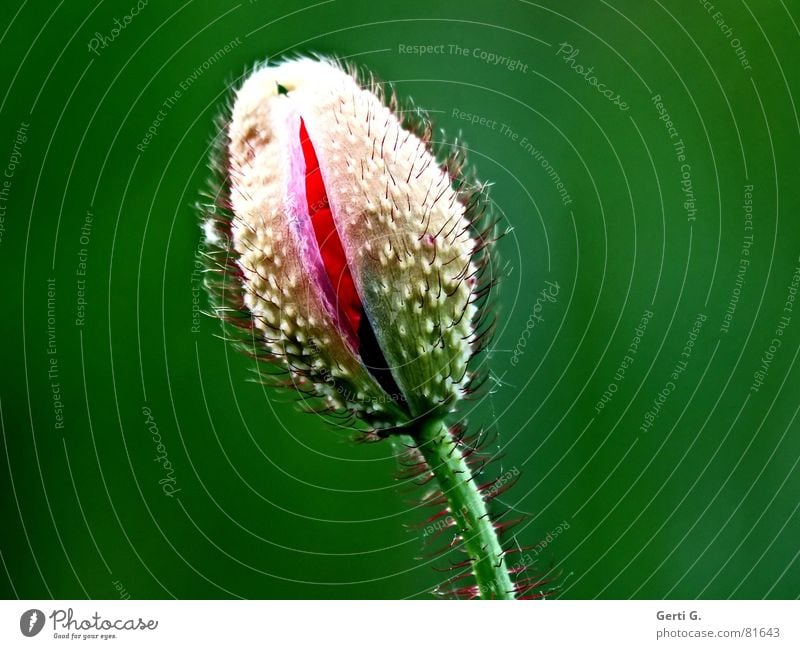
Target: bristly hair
[(442, 538)]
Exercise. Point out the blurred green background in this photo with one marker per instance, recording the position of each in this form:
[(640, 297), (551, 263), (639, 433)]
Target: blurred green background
[(103, 346)]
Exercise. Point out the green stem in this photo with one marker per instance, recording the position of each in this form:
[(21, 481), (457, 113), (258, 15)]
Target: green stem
[(468, 509)]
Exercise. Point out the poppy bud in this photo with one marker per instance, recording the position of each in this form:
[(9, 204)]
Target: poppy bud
[(354, 259)]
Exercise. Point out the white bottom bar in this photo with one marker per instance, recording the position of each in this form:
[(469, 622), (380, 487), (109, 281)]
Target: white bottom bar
[(403, 624)]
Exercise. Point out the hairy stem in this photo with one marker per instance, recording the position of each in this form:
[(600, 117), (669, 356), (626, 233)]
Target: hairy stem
[(468, 509)]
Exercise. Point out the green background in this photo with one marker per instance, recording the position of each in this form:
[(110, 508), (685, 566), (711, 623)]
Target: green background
[(272, 503)]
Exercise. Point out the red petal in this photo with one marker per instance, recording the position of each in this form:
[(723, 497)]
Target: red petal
[(330, 246)]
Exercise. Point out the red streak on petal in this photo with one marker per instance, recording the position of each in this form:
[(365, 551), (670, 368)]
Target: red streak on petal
[(330, 246)]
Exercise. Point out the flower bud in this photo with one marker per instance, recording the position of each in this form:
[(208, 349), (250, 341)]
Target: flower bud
[(352, 250)]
